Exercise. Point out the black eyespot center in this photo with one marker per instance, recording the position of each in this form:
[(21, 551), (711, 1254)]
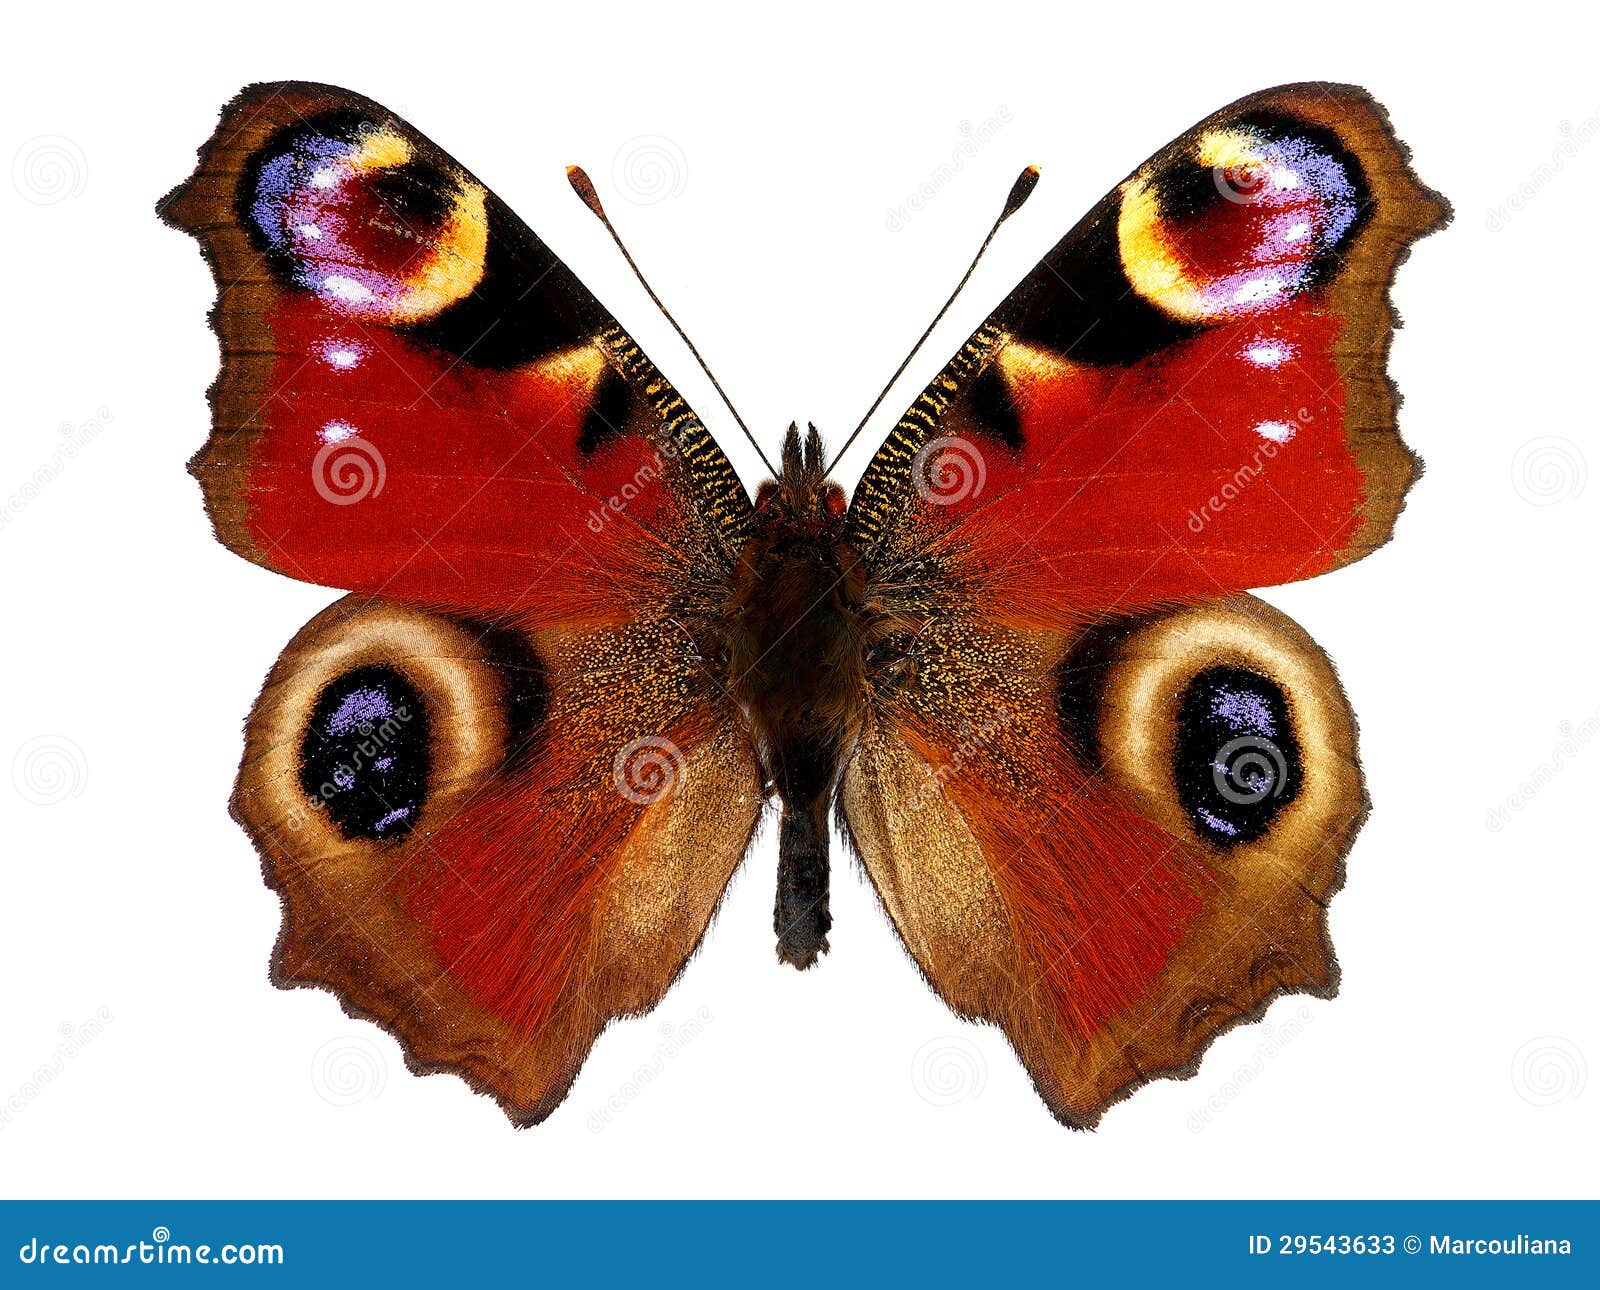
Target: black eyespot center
[(1236, 758), (364, 757)]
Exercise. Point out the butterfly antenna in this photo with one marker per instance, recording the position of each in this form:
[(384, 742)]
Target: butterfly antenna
[(1020, 192), (584, 187)]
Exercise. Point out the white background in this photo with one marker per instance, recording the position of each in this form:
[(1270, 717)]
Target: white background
[(142, 1050)]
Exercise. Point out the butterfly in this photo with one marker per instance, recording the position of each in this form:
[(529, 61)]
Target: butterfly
[(1103, 794)]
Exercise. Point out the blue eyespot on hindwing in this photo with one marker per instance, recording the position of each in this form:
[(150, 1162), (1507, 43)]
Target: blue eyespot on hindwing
[(1236, 760), (364, 757)]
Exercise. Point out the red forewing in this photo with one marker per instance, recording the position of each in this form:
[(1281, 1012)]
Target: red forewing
[(1187, 397), (417, 397)]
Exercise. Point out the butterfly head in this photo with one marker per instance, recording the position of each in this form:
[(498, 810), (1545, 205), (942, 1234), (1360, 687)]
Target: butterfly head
[(802, 495)]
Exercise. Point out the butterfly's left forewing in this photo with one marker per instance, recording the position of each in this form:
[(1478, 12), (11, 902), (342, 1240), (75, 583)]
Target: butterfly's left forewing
[(497, 792), (1104, 796), (417, 398)]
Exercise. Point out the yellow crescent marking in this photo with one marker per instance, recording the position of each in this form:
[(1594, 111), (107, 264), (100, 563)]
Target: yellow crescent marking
[(454, 264), (454, 267), (1148, 260), (1153, 266), (1227, 148), (583, 363), (1027, 363), (381, 149)]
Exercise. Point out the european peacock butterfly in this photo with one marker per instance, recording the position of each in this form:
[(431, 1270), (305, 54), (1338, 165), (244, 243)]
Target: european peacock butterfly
[(1104, 795)]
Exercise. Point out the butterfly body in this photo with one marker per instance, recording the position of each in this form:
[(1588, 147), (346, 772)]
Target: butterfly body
[(1103, 794), (798, 638)]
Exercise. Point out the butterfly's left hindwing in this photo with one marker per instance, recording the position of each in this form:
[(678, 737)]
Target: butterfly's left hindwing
[(499, 796), (1104, 796), (491, 839)]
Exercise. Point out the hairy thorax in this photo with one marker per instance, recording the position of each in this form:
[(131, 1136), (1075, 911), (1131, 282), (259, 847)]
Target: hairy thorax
[(797, 638)]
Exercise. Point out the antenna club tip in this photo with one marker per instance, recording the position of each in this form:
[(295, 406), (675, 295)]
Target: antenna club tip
[(1021, 191), (584, 187)]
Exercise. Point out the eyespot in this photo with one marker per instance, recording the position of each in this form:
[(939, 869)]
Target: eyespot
[(1225, 725), (364, 755), (1246, 217), (381, 721), (1236, 760), (350, 211)]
